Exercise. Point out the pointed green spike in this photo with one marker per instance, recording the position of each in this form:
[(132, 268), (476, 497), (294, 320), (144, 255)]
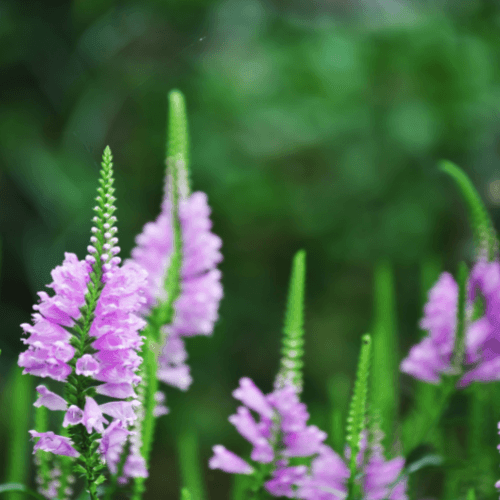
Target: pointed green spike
[(385, 370), (356, 420), (471, 495), (482, 226), (178, 140), (293, 331)]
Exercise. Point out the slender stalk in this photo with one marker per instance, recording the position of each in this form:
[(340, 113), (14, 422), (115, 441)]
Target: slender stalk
[(19, 426), (189, 461)]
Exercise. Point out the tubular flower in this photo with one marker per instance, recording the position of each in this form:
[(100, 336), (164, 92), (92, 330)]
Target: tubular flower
[(87, 335), (196, 308), (432, 357)]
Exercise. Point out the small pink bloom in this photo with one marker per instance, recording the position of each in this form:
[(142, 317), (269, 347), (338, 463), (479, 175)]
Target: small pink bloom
[(49, 399)]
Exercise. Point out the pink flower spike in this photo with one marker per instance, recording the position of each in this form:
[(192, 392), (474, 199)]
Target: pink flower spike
[(73, 416), (87, 366), (92, 416), (49, 399), (229, 462), (53, 443)]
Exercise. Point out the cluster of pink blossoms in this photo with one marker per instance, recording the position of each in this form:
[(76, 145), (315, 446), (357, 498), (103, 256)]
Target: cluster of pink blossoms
[(196, 308), (115, 328), (281, 434), (432, 357)]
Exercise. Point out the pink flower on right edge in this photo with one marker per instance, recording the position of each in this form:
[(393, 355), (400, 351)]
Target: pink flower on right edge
[(432, 357)]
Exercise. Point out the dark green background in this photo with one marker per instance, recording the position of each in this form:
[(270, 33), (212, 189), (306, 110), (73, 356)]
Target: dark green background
[(314, 124)]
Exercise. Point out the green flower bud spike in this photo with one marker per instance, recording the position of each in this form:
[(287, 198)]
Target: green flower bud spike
[(482, 226), (293, 332), (163, 314), (356, 421)]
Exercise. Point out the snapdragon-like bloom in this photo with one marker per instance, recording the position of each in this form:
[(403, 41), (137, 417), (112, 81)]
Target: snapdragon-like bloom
[(88, 332), (282, 433), (432, 357), (196, 308)]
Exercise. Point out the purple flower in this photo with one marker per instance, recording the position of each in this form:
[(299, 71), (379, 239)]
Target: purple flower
[(173, 369), (73, 416), (432, 357), (58, 445), (228, 461), (87, 366), (197, 305), (49, 349), (50, 399), (282, 415), (92, 416), (379, 479), (328, 477), (282, 432), (116, 330), (112, 442), (284, 481)]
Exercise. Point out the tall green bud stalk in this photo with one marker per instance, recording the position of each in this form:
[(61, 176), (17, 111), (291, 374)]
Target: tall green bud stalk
[(163, 314), (293, 331), (356, 421)]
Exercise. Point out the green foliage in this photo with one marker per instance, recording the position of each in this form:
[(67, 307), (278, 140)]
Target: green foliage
[(356, 421), (189, 463), (293, 332), (20, 405), (482, 226), (385, 369)]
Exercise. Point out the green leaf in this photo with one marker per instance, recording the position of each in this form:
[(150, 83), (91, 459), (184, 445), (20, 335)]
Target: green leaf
[(293, 332), (79, 469), (178, 139), (482, 226), (426, 461), (21, 488), (100, 480), (356, 420), (385, 370)]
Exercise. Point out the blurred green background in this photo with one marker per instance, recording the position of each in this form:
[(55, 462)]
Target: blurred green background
[(314, 124)]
